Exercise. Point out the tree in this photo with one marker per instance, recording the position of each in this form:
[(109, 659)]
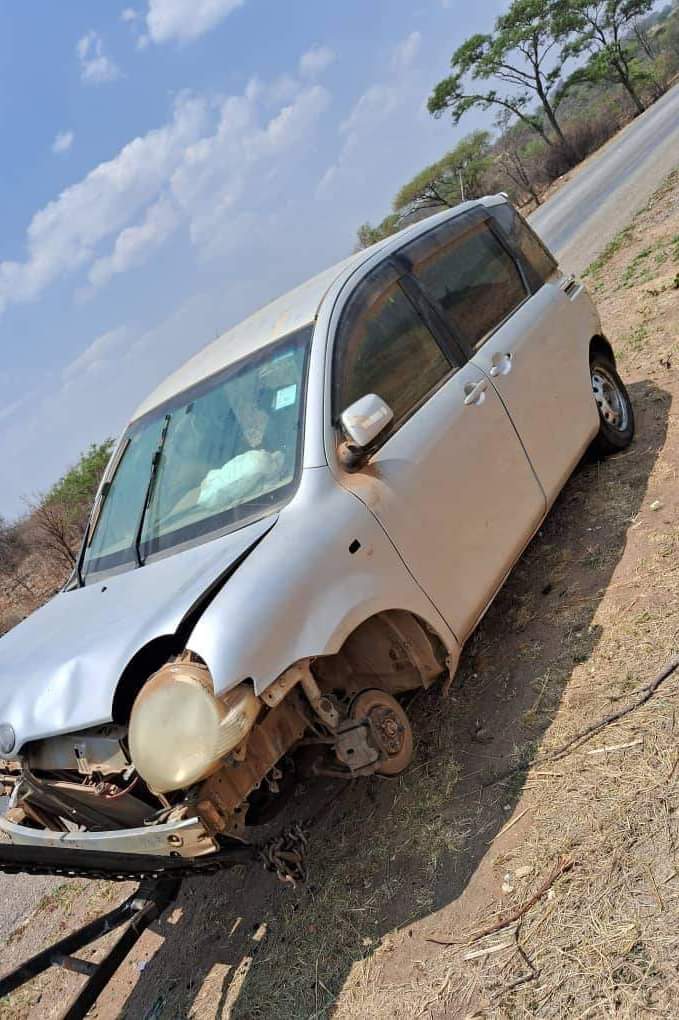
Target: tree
[(61, 514), (601, 28), (367, 234), (518, 56), (12, 554), (456, 176)]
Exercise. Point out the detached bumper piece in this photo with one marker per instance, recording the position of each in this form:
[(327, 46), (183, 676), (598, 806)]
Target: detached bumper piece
[(67, 862), (133, 916)]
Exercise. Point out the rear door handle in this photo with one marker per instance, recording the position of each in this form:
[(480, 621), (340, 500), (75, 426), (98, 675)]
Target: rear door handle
[(475, 393), (502, 365)]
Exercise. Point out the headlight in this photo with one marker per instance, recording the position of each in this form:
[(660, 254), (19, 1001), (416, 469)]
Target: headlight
[(179, 730)]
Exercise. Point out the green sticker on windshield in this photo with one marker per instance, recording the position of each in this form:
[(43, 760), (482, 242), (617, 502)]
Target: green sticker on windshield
[(285, 397)]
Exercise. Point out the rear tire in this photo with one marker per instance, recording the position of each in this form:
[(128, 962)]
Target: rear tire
[(616, 415)]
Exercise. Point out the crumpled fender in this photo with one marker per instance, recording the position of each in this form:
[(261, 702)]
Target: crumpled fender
[(302, 591)]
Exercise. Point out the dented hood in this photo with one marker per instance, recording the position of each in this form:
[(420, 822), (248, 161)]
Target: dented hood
[(60, 667)]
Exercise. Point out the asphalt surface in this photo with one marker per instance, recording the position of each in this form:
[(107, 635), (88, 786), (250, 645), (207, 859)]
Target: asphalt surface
[(576, 222), (605, 192)]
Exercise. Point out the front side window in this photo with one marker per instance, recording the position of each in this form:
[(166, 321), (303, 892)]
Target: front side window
[(384, 347), (474, 282), (225, 452)]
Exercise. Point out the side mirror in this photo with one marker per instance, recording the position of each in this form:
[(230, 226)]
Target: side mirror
[(363, 422)]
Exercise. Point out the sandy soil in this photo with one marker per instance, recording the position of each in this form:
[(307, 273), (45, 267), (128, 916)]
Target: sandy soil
[(587, 617)]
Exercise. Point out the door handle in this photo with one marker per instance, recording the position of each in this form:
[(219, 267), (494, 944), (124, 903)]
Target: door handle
[(502, 365), (475, 393)]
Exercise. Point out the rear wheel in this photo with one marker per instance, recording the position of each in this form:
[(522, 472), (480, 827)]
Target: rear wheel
[(616, 415)]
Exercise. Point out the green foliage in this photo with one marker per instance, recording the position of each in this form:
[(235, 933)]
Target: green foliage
[(514, 55), (79, 485), (367, 234), (601, 28), (439, 184)]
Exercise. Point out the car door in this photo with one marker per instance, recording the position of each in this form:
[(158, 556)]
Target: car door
[(501, 296), (450, 484)]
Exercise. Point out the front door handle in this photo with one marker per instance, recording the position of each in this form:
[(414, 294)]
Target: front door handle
[(475, 393), (501, 365)]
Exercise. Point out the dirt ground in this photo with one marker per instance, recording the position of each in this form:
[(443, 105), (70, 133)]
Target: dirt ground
[(588, 617)]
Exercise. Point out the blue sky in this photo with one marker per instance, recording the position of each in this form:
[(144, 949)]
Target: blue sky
[(169, 166)]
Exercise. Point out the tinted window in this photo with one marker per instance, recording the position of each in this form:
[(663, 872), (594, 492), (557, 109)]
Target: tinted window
[(384, 347), (526, 241), (474, 281)]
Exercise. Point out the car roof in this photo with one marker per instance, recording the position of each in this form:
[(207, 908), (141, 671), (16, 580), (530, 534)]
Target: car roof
[(277, 319)]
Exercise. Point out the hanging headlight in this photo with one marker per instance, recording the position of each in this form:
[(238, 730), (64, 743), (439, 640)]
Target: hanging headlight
[(179, 731)]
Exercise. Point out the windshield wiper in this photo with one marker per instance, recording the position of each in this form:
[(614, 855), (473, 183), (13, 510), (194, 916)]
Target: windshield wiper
[(148, 495)]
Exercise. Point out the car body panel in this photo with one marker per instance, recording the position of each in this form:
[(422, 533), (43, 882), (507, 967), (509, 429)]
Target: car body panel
[(59, 669), (302, 592), (545, 384), (455, 492)]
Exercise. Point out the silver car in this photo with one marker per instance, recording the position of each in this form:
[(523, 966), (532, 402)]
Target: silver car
[(303, 523)]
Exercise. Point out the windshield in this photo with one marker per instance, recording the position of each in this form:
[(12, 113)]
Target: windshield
[(231, 452)]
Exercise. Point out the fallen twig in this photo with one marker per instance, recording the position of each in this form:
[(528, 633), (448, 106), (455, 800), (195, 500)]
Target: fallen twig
[(488, 950), (644, 694), (616, 747), (563, 865), (509, 825)]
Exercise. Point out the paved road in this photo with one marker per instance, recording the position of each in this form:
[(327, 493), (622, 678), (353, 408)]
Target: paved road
[(576, 223), (603, 195)]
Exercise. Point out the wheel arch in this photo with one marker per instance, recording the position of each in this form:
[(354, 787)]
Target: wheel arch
[(141, 666), (394, 649), (600, 345)]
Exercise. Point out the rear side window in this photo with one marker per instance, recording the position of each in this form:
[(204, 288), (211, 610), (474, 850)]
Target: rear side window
[(474, 281), (539, 263), (384, 347)]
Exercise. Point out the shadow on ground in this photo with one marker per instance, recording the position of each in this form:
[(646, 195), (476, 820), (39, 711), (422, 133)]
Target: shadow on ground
[(391, 853)]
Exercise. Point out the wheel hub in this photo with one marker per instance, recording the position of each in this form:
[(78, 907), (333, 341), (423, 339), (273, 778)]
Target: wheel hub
[(390, 729), (609, 400)]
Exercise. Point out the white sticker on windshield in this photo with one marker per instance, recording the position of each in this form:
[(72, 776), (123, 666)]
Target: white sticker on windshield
[(285, 397)]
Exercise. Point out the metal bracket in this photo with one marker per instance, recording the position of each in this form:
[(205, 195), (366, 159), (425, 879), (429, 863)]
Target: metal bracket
[(134, 916)]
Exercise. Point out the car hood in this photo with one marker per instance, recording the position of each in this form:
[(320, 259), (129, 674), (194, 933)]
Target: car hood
[(60, 667)]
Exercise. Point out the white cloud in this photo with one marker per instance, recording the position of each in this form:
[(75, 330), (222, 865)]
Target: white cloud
[(193, 170), (314, 61), (184, 20), (64, 234), (95, 67), (129, 14), (406, 51), (63, 142), (134, 244), (98, 352)]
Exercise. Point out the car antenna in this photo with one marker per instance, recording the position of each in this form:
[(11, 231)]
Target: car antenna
[(148, 495)]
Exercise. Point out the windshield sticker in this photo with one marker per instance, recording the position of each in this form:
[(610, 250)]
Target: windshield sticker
[(285, 397)]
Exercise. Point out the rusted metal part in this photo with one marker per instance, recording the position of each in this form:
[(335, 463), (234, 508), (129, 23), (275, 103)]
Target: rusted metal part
[(321, 704), (275, 693), (390, 729), (393, 651), (286, 855), (353, 745), (222, 796)]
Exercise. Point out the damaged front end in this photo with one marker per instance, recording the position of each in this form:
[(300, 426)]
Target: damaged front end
[(193, 773)]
